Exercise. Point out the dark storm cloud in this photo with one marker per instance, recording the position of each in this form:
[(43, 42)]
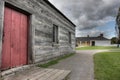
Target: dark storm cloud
[(88, 14)]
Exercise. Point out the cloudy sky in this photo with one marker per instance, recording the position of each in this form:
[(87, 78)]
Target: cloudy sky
[(90, 16)]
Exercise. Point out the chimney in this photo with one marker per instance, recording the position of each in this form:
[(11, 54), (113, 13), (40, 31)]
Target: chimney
[(88, 36), (101, 35)]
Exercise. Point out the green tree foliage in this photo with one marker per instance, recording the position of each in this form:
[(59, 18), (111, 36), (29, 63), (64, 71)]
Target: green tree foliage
[(114, 40), (118, 26)]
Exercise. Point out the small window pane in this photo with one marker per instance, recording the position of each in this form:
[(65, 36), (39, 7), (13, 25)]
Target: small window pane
[(55, 33), (70, 37)]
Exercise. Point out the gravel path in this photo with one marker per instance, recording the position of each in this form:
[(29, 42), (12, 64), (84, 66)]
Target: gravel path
[(81, 65)]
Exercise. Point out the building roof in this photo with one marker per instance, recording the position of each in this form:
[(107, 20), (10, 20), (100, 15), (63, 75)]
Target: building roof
[(101, 37), (59, 12)]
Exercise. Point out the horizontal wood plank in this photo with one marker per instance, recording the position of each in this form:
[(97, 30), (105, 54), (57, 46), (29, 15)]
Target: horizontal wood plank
[(37, 73)]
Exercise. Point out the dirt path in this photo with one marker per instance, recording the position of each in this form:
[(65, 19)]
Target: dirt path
[(81, 65)]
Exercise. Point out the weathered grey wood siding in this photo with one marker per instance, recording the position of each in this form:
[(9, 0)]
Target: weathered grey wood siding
[(1, 26), (42, 18)]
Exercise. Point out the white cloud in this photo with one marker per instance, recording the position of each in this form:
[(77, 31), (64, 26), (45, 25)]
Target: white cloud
[(88, 14)]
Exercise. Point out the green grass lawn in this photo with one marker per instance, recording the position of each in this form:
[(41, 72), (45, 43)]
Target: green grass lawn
[(97, 48), (107, 66), (55, 61)]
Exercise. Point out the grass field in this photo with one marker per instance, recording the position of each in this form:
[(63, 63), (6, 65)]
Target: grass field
[(98, 48), (107, 66)]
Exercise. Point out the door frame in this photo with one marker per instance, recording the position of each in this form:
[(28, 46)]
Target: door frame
[(30, 49), (92, 43)]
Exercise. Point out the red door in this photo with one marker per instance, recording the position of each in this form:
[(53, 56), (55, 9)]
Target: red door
[(14, 49)]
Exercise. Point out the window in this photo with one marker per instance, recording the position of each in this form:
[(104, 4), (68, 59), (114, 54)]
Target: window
[(55, 34), (70, 37)]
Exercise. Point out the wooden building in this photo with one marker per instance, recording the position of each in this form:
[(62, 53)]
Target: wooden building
[(33, 31)]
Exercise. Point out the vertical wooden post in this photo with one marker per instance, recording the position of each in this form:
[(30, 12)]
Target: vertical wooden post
[(1, 26), (31, 40)]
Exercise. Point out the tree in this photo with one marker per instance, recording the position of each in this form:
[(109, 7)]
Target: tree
[(114, 40), (118, 27)]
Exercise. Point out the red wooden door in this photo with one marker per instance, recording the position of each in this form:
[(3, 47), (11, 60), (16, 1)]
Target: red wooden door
[(14, 49)]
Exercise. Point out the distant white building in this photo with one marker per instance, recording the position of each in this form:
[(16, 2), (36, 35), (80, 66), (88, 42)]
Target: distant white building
[(93, 41)]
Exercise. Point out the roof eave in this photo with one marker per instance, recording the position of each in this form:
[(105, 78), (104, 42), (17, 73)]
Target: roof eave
[(59, 12)]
